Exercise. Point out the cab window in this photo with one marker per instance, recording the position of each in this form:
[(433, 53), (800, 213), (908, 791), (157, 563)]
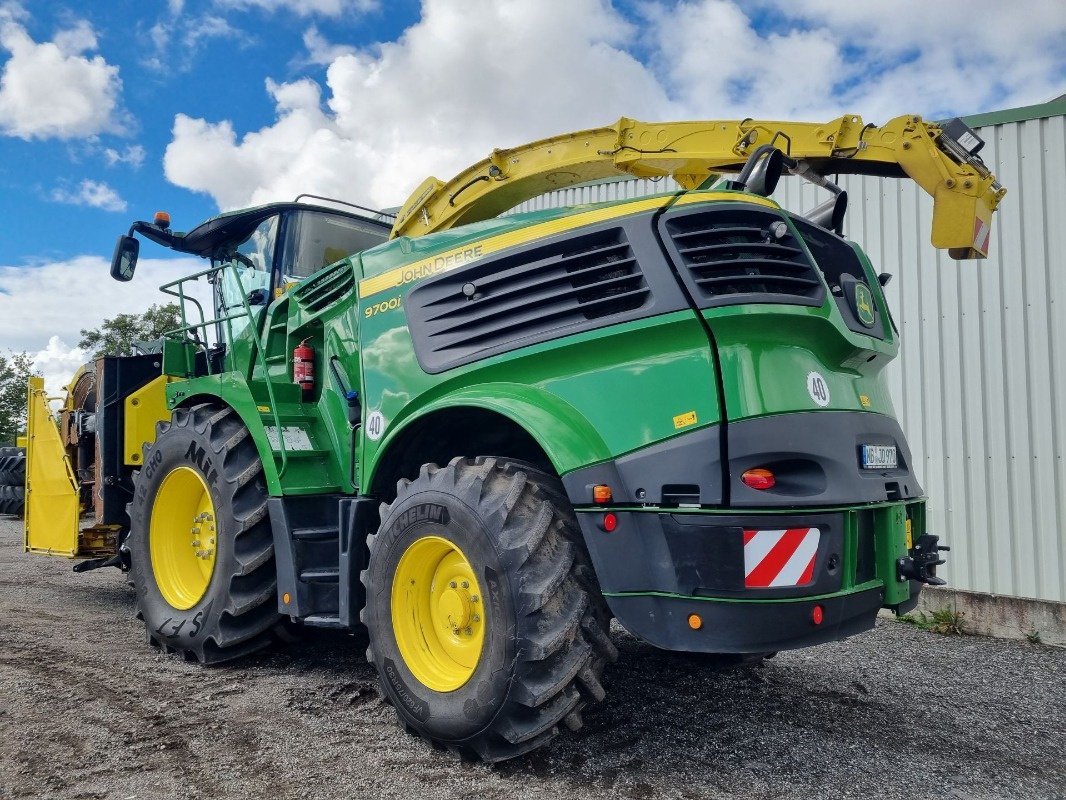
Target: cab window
[(253, 260), (314, 239)]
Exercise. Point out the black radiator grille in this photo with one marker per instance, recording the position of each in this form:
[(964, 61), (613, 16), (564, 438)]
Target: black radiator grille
[(319, 293), (499, 304), (732, 255)]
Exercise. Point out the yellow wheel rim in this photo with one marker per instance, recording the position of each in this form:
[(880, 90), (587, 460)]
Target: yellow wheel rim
[(438, 613), (182, 538)]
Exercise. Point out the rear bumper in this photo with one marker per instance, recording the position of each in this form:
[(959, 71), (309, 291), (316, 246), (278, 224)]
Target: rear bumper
[(744, 626), (657, 567)]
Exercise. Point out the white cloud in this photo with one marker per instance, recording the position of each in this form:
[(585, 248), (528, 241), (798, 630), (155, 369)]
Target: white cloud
[(480, 74), (191, 35), (133, 155), (57, 363), (322, 51), (93, 194), (54, 89), (60, 298), (817, 58), (304, 8), (468, 77)]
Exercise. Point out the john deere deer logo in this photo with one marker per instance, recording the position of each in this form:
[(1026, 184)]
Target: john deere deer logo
[(864, 305)]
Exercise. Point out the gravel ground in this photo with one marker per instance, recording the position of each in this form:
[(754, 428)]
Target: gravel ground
[(87, 710)]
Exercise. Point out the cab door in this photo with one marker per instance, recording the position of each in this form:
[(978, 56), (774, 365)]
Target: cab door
[(248, 276)]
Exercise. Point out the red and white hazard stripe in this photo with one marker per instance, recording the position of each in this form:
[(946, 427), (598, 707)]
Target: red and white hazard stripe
[(780, 557), (982, 233)]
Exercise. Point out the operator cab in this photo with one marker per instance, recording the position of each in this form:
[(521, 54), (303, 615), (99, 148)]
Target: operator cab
[(270, 249)]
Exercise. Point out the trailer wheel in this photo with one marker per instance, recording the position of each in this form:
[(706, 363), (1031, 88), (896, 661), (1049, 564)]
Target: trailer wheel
[(201, 549), (485, 624)]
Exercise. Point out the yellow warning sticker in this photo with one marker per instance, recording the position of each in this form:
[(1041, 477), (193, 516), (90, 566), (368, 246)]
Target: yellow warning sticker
[(865, 400), (910, 536), (684, 420), (263, 409)]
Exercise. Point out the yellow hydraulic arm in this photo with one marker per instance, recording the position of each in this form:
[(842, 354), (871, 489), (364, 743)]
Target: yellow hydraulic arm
[(965, 193)]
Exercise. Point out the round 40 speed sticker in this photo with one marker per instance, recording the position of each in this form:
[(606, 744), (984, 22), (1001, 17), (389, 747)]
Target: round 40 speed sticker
[(818, 389), (375, 425)]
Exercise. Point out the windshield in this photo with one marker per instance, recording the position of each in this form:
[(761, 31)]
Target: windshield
[(314, 239)]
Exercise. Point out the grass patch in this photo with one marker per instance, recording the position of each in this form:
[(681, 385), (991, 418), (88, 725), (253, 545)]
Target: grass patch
[(945, 621)]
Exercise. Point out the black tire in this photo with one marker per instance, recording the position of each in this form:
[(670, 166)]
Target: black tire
[(546, 641), (12, 466), (238, 613), (12, 500)]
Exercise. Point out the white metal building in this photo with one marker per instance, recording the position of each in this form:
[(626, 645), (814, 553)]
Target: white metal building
[(980, 387)]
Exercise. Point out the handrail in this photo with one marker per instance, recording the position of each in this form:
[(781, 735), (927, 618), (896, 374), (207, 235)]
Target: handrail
[(258, 338)]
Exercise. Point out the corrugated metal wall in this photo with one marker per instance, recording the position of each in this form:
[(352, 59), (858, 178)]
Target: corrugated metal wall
[(980, 387)]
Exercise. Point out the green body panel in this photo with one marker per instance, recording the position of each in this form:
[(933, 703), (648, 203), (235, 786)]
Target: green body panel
[(584, 398), (767, 351)]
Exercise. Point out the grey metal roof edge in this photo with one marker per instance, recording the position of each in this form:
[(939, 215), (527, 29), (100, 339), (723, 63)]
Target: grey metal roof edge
[(1053, 108)]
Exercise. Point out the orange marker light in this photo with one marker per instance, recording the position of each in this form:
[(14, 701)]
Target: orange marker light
[(285, 598), (817, 615), (601, 494), (695, 622), (759, 479), (162, 219)]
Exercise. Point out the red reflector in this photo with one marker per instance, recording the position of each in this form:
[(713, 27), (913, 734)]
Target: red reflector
[(610, 521), (759, 479), (817, 615)]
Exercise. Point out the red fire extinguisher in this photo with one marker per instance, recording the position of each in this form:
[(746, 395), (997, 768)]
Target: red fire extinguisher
[(303, 368)]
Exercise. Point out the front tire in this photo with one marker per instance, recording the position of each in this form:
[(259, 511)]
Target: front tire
[(485, 624), (201, 548)]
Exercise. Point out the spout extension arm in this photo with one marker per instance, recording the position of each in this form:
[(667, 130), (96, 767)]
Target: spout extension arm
[(965, 193)]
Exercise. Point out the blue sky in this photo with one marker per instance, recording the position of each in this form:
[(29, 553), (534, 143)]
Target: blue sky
[(109, 111)]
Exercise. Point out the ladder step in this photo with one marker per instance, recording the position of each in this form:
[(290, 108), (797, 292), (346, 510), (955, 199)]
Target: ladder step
[(315, 534), (323, 621), (277, 358), (321, 575)]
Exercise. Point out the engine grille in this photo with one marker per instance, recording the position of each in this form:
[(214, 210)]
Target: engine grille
[(323, 291), (731, 256), (500, 304)]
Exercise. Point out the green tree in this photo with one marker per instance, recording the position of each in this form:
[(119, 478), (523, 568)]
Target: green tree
[(115, 336), (14, 370)]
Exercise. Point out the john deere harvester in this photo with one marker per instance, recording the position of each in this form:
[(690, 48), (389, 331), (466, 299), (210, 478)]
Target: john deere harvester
[(478, 439)]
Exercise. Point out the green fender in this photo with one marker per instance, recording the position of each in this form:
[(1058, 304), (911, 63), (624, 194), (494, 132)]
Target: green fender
[(566, 436), (230, 389)]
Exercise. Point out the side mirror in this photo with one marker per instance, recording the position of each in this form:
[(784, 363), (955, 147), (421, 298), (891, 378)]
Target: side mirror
[(124, 261)]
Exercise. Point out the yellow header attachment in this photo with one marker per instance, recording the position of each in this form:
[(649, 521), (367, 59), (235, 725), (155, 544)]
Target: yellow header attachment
[(964, 192)]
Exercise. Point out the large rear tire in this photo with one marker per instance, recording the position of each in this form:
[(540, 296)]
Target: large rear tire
[(201, 548), (485, 623)]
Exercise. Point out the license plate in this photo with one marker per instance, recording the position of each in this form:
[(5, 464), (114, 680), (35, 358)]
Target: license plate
[(878, 456)]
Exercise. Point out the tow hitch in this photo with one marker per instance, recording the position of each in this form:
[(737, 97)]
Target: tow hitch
[(923, 561)]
